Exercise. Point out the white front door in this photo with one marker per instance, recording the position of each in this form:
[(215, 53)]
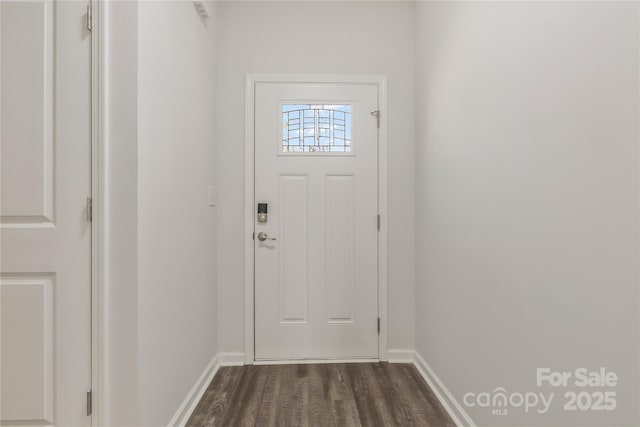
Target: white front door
[(316, 174), (45, 171)]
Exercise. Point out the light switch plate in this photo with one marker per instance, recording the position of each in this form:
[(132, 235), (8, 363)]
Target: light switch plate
[(212, 196)]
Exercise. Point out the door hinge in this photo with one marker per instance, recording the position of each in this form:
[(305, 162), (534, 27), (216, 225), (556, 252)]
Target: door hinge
[(89, 209), (378, 222), (377, 114), (378, 326), (89, 18), (254, 235), (89, 402)]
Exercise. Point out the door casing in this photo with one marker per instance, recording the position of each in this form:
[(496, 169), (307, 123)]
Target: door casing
[(249, 276), (99, 108)]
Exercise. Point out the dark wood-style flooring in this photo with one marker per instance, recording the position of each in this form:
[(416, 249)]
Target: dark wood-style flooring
[(357, 394)]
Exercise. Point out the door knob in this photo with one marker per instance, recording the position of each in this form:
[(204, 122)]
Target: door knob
[(262, 236)]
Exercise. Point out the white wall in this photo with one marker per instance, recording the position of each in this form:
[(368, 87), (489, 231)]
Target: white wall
[(176, 227), (121, 285), (315, 38), (527, 198)]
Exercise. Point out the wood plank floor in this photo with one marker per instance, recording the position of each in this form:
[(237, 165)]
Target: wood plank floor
[(357, 394)]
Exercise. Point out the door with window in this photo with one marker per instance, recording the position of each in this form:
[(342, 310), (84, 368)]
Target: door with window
[(316, 228), (45, 234)]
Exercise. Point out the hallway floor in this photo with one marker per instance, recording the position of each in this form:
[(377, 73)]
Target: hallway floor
[(369, 394)]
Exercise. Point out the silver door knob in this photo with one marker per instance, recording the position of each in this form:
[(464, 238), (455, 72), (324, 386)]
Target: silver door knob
[(262, 236)]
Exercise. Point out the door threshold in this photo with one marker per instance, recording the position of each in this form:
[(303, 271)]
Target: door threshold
[(312, 361)]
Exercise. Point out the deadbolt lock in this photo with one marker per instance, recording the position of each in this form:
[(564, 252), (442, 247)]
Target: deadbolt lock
[(262, 213)]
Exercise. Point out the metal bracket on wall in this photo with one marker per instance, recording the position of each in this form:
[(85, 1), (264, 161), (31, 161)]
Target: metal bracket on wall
[(202, 10)]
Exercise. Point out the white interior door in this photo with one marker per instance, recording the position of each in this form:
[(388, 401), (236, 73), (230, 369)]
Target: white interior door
[(316, 168), (45, 172)]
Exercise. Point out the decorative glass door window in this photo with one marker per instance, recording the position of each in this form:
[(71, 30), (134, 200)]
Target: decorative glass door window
[(316, 128)]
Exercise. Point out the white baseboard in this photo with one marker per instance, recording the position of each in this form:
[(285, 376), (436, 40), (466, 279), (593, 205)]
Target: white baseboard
[(401, 355), (450, 404), (231, 359), (312, 361), (189, 404)]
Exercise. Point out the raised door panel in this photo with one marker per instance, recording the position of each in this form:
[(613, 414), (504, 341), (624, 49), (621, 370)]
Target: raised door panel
[(26, 112), (293, 253), (27, 358), (339, 258)]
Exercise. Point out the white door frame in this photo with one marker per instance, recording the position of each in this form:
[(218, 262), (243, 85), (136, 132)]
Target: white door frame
[(249, 191), (99, 109)]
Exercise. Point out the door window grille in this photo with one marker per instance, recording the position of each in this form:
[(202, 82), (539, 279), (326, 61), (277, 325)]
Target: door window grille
[(316, 128)]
